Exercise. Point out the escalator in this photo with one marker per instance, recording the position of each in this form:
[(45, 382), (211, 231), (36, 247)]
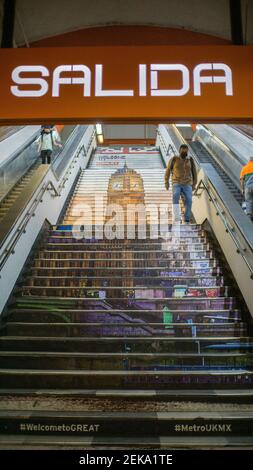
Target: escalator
[(245, 129), (13, 195), (8, 131), (142, 318), (205, 157), (22, 167)]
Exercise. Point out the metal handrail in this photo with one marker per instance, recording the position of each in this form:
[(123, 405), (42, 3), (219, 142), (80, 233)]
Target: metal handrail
[(229, 229), (59, 155), (24, 222), (168, 149), (10, 249)]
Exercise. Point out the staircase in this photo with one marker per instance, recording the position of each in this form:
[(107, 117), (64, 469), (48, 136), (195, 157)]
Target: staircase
[(126, 321)]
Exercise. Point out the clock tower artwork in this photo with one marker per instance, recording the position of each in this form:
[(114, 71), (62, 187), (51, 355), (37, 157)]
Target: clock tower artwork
[(125, 187)]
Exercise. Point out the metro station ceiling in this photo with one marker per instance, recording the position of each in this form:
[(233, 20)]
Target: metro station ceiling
[(36, 20)]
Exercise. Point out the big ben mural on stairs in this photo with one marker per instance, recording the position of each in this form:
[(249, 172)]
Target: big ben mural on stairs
[(126, 187)]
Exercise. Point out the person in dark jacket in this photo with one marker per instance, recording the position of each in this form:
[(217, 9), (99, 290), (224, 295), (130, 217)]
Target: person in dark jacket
[(184, 179)]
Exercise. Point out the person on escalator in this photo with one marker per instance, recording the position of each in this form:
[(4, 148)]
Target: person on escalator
[(184, 180), (246, 180), (46, 143)]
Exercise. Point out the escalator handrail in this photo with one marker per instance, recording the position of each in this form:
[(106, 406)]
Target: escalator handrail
[(30, 142), (13, 130), (242, 132), (10, 248), (58, 156), (227, 149), (203, 186), (20, 150)]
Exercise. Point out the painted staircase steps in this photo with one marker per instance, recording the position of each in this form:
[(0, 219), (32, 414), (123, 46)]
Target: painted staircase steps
[(64, 340)]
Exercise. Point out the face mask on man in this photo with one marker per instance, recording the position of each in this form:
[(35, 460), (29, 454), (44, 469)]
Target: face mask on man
[(183, 153)]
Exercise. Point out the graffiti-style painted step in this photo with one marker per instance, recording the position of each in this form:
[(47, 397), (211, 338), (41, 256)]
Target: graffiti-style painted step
[(124, 361), (56, 278), (128, 379), (134, 344), (124, 255), (124, 329), (185, 303), (121, 263), (39, 312), (124, 271), (141, 292), (191, 229), (210, 395), (75, 244), (134, 242)]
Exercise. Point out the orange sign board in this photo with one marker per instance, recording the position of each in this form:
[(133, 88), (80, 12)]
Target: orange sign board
[(126, 83)]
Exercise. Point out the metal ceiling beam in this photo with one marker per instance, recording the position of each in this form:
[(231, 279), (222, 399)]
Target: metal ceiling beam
[(236, 22), (8, 23)]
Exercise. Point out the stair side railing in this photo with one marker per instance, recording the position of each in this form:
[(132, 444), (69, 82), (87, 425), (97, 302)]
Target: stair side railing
[(165, 144)]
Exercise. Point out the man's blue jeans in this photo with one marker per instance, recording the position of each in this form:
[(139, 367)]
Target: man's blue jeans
[(249, 200), (186, 191)]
